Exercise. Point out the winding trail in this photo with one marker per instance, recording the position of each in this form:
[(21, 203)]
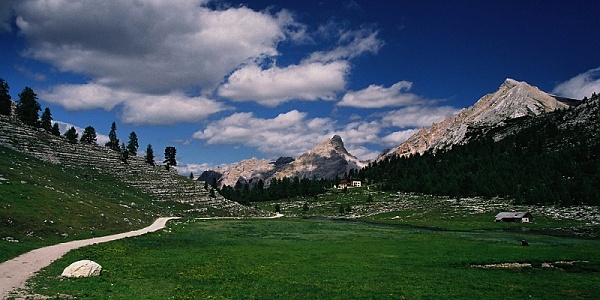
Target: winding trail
[(14, 272)]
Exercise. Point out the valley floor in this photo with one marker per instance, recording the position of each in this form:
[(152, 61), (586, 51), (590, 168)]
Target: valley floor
[(14, 272)]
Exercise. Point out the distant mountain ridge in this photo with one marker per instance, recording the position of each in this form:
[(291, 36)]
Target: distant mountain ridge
[(512, 100), (326, 160)]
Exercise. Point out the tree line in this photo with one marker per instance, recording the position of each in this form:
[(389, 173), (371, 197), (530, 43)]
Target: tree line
[(283, 188), (27, 111), (541, 164)]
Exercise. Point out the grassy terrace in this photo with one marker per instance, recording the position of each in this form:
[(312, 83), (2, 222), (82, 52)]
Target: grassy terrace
[(44, 204), (317, 259)]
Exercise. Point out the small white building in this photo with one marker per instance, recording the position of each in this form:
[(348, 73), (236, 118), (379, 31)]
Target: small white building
[(519, 217)]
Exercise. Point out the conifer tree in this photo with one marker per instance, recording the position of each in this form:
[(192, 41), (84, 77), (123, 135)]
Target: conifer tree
[(150, 155), (113, 141), (191, 175), (72, 135), (46, 120), (89, 135), (28, 107), (170, 153), (55, 130), (5, 99), (124, 153), (133, 145)]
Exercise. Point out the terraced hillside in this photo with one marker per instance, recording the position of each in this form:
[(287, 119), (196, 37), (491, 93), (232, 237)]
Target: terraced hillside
[(161, 184)]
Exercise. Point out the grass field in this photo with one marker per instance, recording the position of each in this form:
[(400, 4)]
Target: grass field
[(43, 204), (317, 259)]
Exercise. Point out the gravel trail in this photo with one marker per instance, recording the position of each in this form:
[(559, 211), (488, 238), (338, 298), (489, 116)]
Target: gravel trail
[(14, 272)]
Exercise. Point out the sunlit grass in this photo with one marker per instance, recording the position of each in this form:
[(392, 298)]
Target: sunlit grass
[(309, 259)]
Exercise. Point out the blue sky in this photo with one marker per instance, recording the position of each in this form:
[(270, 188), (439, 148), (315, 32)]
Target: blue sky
[(224, 81)]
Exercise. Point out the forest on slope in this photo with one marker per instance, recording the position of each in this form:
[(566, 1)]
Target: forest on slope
[(551, 159)]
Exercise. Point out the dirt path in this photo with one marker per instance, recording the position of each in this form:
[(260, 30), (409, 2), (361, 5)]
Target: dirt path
[(15, 272)]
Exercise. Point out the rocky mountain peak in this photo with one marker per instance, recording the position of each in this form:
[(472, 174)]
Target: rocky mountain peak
[(329, 146), (513, 99), (327, 159)]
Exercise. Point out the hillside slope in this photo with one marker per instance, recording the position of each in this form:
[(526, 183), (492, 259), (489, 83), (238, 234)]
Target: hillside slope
[(160, 184)]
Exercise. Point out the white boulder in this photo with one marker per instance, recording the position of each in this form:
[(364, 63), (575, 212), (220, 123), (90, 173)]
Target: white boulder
[(82, 268)]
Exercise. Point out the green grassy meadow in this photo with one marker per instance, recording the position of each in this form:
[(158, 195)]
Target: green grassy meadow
[(294, 258), (43, 204)]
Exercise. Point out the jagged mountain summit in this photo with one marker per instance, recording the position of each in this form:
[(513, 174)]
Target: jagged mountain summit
[(326, 160), (512, 100)]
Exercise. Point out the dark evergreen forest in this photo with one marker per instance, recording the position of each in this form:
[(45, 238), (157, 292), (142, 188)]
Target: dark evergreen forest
[(278, 189), (541, 164)]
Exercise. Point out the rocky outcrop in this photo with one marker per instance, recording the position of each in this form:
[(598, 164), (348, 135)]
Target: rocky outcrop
[(327, 160), (156, 181), (82, 268), (513, 100)]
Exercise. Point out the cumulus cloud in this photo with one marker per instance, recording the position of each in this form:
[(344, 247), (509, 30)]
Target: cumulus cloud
[(145, 55), (275, 85), (398, 137), (417, 116), (138, 108), (197, 169), (169, 109), (351, 43), (580, 86), (377, 96), (288, 133), (101, 139), (149, 46), (318, 77)]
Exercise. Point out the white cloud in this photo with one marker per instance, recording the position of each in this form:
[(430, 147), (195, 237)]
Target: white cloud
[(149, 46), (398, 137), (84, 96), (351, 43), (169, 109), (197, 169), (580, 86), (319, 77), (417, 116), (359, 133), (138, 108), (288, 134), (275, 85), (101, 139), (377, 96)]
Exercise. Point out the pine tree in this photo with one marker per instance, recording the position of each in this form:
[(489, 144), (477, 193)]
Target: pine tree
[(124, 153), (191, 175), (133, 145), (89, 135), (46, 120), (113, 141), (170, 153), (72, 135), (28, 107), (150, 155), (55, 130), (5, 99)]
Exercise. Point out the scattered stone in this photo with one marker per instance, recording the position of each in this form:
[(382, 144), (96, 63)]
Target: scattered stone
[(11, 239), (82, 268)]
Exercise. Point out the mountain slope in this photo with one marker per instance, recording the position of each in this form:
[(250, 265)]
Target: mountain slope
[(512, 100), (159, 184), (326, 160)]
